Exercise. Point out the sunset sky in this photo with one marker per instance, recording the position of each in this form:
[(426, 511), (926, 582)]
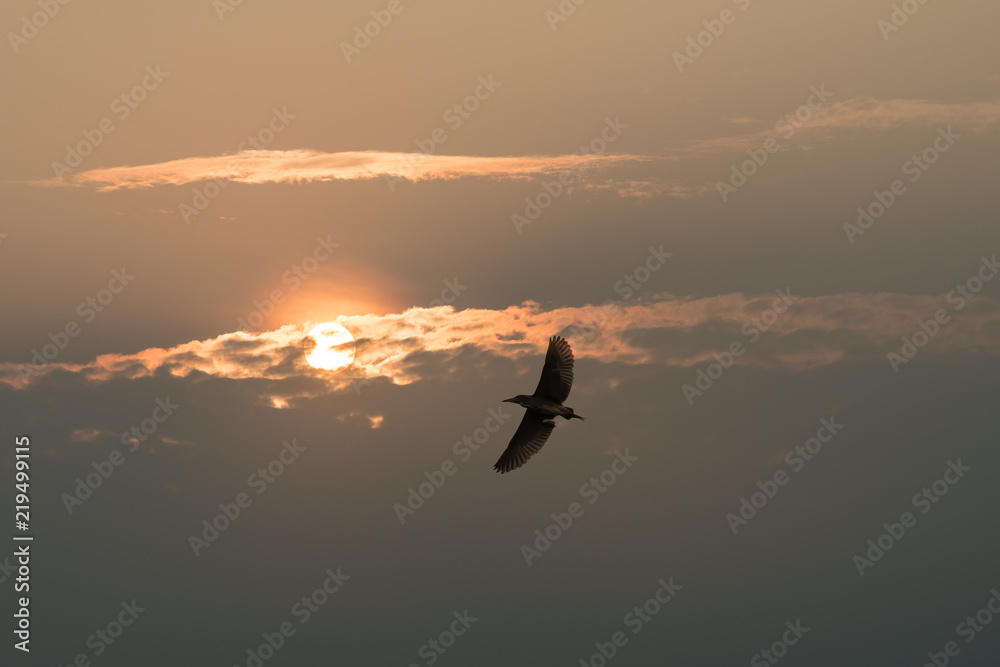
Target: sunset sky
[(768, 230)]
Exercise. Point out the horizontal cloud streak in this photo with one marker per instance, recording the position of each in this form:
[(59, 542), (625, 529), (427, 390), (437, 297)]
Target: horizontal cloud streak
[(859, 113), (664, 331), (824, 124), (295, 166)]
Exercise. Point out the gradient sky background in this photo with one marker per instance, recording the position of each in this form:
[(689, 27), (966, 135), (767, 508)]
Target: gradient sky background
[(427, 375)]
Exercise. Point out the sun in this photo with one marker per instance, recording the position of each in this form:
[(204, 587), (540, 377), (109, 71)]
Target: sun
[(334, 347)]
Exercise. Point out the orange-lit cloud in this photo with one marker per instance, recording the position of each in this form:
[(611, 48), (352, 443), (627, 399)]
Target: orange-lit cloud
[(293, 166), (663, 330), (823, 123), (88, 434)]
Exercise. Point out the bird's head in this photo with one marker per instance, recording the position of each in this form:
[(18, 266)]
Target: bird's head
[(519, 399)]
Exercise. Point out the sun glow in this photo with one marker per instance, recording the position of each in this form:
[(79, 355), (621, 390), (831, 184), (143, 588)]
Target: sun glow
[(334, 347)]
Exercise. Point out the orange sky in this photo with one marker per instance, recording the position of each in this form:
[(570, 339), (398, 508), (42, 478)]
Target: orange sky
[(749, 220)]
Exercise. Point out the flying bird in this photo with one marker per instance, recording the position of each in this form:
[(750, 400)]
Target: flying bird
[(542, 406)]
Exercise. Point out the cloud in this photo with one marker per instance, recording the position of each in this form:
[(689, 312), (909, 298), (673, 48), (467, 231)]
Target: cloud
[(664, 330), (649, 188), (303, 165), (295, 166), (859, 113), (88, 434), (868, 113)]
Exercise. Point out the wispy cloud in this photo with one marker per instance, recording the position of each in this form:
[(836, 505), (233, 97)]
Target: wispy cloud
[(294, 166), (649, 188), (859, 113), (869, 113), (88, 434)]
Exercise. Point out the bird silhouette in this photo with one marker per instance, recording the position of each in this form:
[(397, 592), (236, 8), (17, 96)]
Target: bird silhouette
[(542, 406)]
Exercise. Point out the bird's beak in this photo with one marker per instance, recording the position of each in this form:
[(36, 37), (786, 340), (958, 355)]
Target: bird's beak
[(509, 400)]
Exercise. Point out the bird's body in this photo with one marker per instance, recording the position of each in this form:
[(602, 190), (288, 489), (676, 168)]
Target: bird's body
[(542, 406)]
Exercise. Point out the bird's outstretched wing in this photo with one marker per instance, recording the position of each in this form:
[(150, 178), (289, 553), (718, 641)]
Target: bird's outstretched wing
[(531, 434), (557, 374)]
